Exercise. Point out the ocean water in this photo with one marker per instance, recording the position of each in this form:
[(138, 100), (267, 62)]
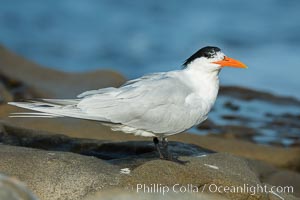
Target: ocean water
[(138, 37)]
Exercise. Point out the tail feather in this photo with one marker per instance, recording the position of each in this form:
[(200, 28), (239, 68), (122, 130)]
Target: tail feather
[(61, 101), (51, 110), (33, 114)]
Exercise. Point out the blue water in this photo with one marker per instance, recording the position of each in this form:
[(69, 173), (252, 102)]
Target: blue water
[(137, 37)]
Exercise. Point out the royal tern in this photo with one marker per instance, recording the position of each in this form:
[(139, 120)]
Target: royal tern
[(156, 105)]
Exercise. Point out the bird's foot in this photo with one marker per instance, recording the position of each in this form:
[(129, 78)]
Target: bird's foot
[(164, 153)]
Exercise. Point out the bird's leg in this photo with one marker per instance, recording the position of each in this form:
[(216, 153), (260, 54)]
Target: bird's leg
[(166, 155), (156, 143), (166, 150), (165, 143), (169, 155)]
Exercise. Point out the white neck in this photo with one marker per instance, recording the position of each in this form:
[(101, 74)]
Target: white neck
[(203, 78)]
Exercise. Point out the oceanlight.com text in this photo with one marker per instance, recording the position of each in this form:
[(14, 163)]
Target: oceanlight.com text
[(213, 188)]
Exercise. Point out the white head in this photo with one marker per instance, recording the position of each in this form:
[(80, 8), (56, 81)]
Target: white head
[(211, 59)]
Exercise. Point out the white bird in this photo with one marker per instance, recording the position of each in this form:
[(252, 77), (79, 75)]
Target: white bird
[(156, 105)]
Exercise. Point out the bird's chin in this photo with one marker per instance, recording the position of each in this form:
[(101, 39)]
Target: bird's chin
[(218, 70)]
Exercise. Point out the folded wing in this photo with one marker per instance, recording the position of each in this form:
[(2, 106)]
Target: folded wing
[(154, 103)]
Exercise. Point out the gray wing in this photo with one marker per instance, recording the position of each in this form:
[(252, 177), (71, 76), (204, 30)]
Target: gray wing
[(153, 103)]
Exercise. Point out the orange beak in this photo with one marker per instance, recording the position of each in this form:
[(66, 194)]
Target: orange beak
[(230, 62)]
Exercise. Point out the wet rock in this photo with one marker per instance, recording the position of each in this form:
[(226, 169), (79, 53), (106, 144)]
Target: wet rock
[(52, 83), (269, 114), (230, 117), (282, 122), (207, 125), (57, 175), (291, 116), (285, 128), (240, 119), (285, 120), (250, 94), (13, 189), (231, 106)]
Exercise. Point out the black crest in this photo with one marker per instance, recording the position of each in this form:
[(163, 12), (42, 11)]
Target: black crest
[(207, 52)]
